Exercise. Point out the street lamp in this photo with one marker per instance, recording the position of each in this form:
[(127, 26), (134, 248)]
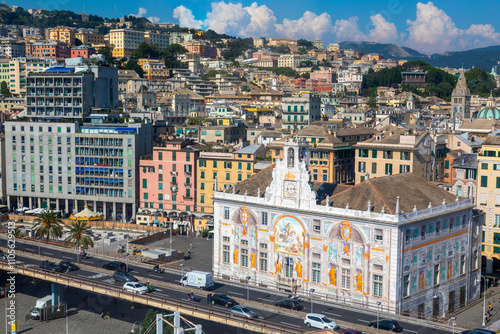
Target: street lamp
[(436, 296), (126, 255), (65, 313), (453, 319), (248, 287), (104, 237), (312, 295), (133, 326), (484, 301), (77, 253), (378, 313)]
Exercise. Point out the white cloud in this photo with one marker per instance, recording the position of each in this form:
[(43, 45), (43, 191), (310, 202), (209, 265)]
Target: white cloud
[(309, 26), (383, 31), (262, 21), (186, 18), (348, 30), (141, 13), (433, 31), (154, 19), (227, 18)]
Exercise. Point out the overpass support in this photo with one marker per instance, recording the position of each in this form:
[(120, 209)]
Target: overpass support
[(159, 324), (57, 294)]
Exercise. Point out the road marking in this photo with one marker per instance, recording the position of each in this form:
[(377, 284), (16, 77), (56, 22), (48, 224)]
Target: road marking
[(82, 276), (286, 323), (235, 293), (48, 253), (30, 249), (335, 315), (155, 275), (67, 257), (363, 320), (162, 294), (97, 276), (88, 261), (410, 331), (267, 300)]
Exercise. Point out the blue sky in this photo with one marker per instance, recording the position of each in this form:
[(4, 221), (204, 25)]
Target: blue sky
[(429, 27)]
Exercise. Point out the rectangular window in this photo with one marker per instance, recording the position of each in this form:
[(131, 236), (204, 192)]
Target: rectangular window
[(202, 175), (225, 253), (388, 169), (484, 166), (263, 262), (317, 225), (406, 285), (438, 227), (377, 285), (374, 168), (436, 274), (346, 279), (374, 154), (484, 181), (202, 199), (379, 236), (361, 167), (173, 156), (144, 183), (215, 163), (264, 218), (244, 257), (226, 212), (316, 272), (462, 264), (498, 182)]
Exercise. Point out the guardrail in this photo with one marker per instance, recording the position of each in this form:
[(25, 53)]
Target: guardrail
[(198, 311)]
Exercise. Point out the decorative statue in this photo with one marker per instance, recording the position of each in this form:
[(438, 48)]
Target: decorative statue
[(298, 269), (253, 260), (235, 256), (359, 282), (333, 275)]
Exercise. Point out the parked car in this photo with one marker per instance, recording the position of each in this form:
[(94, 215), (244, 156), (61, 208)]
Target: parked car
[(48, 265), (351, 331), (122, 276), (68, 266), (478, 331), (222, 299), (388, 325), (317, 320), (115, 265), (135, 287), (288, 303), (243, 311)]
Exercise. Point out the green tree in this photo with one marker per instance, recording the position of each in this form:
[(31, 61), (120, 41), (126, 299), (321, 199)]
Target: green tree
[(304, 43), (148, 324), (133, 65), (146, 50), (4, 89), (80, 233), (306, 75), (479, 81), (48, 225)]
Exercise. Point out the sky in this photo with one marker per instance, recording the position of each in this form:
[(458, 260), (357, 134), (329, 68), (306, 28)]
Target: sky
[(428, 27)]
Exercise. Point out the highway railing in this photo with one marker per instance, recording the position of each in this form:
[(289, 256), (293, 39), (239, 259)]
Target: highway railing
[(186, 308)]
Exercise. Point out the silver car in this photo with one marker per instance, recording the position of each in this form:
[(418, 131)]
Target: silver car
[(243, 311)]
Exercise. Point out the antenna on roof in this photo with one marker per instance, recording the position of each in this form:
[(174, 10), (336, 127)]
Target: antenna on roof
[(83, 9), (115, 12)]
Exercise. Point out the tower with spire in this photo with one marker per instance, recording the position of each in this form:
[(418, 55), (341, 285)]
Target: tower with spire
[(460, 98)]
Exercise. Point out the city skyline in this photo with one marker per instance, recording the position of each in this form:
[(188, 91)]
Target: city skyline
[(428, 27)]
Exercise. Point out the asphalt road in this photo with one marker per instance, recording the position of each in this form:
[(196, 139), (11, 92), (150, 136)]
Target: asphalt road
[(332, 311)]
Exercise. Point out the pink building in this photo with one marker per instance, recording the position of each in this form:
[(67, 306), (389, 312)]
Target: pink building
[(167, 179), (326, 76)]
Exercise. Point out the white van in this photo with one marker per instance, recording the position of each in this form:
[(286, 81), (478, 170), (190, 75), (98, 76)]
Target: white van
[(40, 304), (198, 279)]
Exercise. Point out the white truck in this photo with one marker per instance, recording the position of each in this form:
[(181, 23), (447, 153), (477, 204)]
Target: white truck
[(198, 279), (40, 304)]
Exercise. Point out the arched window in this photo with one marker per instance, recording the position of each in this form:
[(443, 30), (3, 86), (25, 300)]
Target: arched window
[(291, 156)]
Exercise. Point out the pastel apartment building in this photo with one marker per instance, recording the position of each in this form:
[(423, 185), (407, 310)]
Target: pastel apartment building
[(63, 34)]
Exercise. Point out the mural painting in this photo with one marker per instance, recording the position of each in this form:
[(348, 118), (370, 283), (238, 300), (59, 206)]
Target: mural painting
[(289, 235)]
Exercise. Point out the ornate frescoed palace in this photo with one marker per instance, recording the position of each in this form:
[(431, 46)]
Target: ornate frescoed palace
[(398, 240)]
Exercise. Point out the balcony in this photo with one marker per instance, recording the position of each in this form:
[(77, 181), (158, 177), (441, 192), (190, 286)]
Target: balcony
[(187, 173), (173, 173), (187, 185), (173, 184), (187, 198)]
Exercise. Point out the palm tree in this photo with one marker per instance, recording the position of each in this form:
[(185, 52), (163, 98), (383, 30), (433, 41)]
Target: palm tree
[(48, 225), (18, 233), (80, 233)]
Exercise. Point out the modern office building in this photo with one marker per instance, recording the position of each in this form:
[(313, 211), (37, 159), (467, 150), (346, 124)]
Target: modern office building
[(66, 166), (372, 244)]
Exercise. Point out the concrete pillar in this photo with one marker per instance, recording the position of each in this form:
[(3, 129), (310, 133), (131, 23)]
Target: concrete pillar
[(489, 266), (39, 202), (177, 322), (134, 210), (104, 210), (30, 203), (66, 207), (197, 329), (159, 324), (114, 210), (124, 213), (8, 203), (57, 204)]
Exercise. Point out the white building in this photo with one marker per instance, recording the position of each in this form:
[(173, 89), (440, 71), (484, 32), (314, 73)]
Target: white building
[(397, 240), (295, 60)]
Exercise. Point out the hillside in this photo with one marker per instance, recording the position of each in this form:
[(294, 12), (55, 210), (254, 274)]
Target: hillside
[(484, 58), (387, 50)]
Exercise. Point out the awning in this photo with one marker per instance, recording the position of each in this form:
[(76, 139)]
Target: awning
[(182, 223), (183, 214), (172, 214), (207, 217)]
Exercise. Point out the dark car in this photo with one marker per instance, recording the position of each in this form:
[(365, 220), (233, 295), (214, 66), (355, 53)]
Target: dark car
[(122, 276), (48, 265), (288, 303), (478, 331), (388, 325), (221, 299), (68, 266), (115, 265), (351, 331)]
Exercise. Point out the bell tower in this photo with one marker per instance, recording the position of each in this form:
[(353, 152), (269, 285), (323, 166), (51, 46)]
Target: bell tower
[(460, 98)]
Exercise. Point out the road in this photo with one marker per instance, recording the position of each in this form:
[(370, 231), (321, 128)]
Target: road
[(265, 297)]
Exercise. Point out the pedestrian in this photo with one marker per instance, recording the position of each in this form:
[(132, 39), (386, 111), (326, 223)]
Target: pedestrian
[(489, 307), (107, 315), (102, 315), (123, 313), (191, 246)]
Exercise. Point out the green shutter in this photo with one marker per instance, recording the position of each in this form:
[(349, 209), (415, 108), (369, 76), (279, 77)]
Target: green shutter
[(447, 164), (475, 174), (144, 183), (374, 153), (484, 181)]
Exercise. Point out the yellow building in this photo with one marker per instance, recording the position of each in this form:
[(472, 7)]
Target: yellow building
[(488, 199), (125, 41), (221, 170), (154, 69), (90, 38), (399, 151), (63, 34), (331, 160)]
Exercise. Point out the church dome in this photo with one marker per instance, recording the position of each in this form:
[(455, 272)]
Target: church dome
[(489, 112)]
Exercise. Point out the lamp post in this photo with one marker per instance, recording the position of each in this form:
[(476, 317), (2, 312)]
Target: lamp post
[(182, 268), (77, 253), (484, 301), (436, 296), (378, 313), (126, 254), (65, 313), (248, 287), (103, 245), (312, 298), (453, 319), (133, 326)]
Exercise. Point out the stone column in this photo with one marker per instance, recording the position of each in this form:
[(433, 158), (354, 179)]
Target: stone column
[(66, 206), (134, 210), (39, 202), (104, 210), (8, 203), (114, 210), (30, 203), (57, 204)]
